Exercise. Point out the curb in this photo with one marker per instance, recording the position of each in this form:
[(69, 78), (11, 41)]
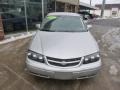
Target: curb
[(13, 38)]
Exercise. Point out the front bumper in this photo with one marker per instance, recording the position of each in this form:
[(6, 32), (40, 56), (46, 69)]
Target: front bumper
[(42, 70)]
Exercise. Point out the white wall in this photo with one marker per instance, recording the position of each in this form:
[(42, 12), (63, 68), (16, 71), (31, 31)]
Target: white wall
[(97, 12), (107, 13), (119, 13)]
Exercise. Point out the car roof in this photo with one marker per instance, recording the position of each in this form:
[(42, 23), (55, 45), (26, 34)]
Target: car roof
[(63, 14)]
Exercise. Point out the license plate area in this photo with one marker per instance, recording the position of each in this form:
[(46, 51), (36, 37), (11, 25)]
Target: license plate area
[(63, 75)]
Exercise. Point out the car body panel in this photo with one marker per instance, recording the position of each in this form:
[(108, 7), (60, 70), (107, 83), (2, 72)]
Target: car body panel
[(81, 72), (64, 45)]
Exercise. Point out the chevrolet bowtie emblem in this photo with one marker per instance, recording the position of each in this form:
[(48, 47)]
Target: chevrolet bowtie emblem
[(64, 63)]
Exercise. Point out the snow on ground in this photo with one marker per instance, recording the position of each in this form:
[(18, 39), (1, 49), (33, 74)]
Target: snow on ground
[(112, 37), (14, 37), (17, 34), (113, 70)]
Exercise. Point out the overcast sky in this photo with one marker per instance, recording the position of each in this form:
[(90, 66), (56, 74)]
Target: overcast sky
[(100, 1)]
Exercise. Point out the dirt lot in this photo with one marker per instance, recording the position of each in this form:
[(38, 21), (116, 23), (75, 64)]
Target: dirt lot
[(14, 77)]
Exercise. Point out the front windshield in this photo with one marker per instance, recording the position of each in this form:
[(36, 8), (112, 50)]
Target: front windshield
[(63, 24)]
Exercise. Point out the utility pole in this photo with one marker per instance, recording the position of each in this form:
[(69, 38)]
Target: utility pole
[(43, 13), (90, 2), (26, 18), (103, 7), (55, 6)]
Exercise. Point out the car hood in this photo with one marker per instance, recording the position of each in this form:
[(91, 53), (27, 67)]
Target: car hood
[(64, 45)]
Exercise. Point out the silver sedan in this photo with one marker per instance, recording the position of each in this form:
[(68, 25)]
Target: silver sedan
[(63, 48)]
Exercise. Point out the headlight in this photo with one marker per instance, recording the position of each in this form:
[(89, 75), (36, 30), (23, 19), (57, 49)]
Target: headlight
[(91, 58), (35, 56)]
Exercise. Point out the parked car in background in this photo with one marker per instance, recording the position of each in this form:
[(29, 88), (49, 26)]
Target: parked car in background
[(63, 48), (86, 15), (13, 22)]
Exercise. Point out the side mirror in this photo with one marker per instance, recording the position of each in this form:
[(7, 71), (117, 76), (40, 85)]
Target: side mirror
[(89, 26), (38, 26)]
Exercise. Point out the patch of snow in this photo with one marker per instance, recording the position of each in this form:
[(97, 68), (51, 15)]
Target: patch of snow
[(12, 38), (104, 45), (115, 17), (16, 38), (105, 54), (99, 41), (112, 38), (113, 70), (104, 18)]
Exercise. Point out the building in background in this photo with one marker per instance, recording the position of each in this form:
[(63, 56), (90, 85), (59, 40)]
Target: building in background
[(85, 10), (13, 17), (1, 30), (23, 15), (111, 10), (67, 5), (85, 6)]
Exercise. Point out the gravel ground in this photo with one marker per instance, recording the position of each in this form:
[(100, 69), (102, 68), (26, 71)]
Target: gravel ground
[(14, 77)]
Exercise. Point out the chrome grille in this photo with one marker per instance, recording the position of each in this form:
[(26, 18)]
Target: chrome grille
[(63, 62)]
